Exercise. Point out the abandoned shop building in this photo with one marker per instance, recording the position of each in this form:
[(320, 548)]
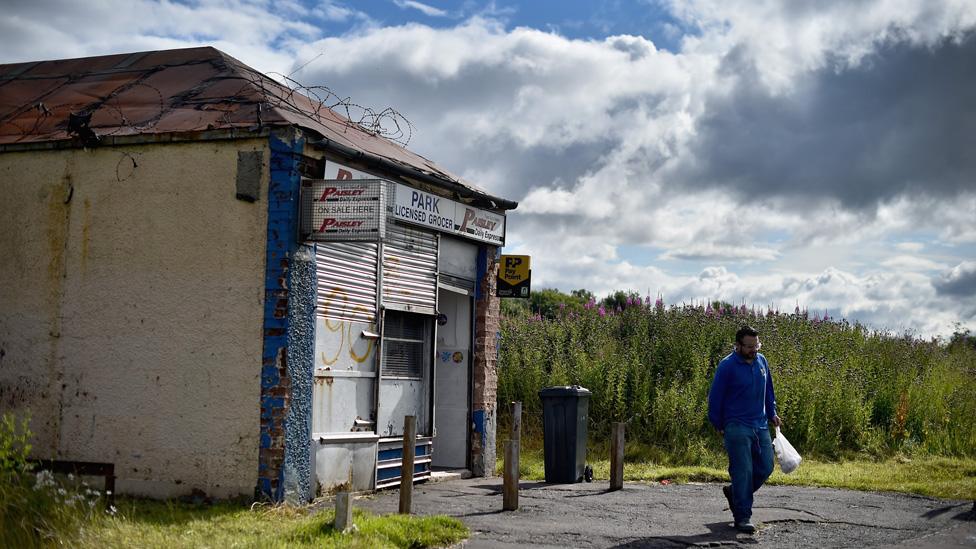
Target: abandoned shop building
[(214, 282)]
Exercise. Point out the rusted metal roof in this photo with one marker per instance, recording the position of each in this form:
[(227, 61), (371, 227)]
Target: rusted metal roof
[(184, 91)]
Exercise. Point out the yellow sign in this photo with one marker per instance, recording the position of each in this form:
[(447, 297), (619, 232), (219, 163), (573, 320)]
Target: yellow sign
[(514, 276)]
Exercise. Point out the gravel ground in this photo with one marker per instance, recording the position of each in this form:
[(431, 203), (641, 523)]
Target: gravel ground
[(683, 515)]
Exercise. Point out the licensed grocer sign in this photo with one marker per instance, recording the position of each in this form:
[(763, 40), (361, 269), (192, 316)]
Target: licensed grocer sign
[(417, 207), (443, 214)]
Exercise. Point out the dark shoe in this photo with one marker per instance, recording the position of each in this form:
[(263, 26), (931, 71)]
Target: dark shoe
[(746, 527), (727, 490)]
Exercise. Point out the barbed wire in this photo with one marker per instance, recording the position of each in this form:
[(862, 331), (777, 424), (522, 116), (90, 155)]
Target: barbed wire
[(387, 122), (319, 103)]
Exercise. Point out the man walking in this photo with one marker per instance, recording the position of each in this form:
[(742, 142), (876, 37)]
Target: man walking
[(741, 403)]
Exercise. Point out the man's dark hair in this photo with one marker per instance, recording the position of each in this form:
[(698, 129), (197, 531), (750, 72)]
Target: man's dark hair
[(745, 331)]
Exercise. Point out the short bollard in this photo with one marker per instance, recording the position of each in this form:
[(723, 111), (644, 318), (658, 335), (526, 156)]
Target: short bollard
[(617, 457), (510, 482), (407, 465), (343, 512)]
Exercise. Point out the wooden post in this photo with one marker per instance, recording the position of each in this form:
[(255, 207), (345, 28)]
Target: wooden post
[(516, 409), (512, 448), (406, 465), (617, 457), (510, 488), (343, 512)]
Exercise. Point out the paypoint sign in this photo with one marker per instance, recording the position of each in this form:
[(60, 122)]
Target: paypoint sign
[(514, 276)]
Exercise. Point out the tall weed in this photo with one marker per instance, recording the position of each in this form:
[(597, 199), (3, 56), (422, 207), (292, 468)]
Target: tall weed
[(841, 389), (37, 510)]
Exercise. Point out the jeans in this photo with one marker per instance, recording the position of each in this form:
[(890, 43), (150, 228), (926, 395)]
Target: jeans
[(750, 464)]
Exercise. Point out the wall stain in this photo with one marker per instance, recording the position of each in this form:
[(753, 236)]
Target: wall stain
[(85, 235), (59, 200)]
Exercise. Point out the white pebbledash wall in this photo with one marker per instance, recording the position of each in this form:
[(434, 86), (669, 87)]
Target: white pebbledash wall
[(131, 311)]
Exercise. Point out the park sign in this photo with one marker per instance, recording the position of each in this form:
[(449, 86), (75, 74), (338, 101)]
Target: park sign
[(514, 276), (416, 207), (435, 212)]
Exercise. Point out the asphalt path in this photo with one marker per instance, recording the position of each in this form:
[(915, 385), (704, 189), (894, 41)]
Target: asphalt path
[(686, 515)]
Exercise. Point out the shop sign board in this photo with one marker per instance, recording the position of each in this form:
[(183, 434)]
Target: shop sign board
[(443, 214), (435, 212), (348, 209), (338, 171), (514, 276)]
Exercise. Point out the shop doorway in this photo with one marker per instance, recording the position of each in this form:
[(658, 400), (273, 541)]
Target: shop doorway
[(452, 380)]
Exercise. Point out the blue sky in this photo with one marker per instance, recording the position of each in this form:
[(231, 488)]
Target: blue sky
[(753, 151), (573, 19)]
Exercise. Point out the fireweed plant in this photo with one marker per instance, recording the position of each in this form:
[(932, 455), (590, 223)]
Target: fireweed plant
[(842, 389), (38, 509)]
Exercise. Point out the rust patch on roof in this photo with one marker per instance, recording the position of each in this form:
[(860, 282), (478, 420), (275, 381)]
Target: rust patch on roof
[(184, 91)]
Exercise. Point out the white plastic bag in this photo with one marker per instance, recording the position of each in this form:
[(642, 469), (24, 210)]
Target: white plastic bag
[(789, 459)]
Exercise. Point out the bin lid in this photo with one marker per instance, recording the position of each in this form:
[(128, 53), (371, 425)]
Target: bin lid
[(564, 391)]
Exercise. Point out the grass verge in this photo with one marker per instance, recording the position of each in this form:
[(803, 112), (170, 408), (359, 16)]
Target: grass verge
[(142, 523), (941, 477)]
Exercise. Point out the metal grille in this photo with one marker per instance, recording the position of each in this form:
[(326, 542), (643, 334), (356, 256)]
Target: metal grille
[(409, 269), (456, 282), (405, 343), (346, 273)]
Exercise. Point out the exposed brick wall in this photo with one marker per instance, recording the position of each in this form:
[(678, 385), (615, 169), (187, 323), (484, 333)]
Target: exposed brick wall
[(283, 193), (485, 364)]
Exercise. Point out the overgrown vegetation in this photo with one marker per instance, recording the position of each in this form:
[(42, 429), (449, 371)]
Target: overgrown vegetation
[(141, 523), (951, 478), (842, 390), (38, 509)]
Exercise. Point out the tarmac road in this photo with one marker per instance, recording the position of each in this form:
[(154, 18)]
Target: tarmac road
[(683, 515)]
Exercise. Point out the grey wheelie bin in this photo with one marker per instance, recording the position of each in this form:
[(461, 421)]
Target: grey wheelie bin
[(564, 411)]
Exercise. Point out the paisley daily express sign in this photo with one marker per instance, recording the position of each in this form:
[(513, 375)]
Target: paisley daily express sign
[(335, 209), (442, 214), (435, 212)]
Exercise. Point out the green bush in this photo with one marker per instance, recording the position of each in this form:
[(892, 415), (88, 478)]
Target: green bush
[(36, 510), (841, 389)]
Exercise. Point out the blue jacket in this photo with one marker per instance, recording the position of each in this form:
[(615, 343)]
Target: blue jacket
[(742, 392)]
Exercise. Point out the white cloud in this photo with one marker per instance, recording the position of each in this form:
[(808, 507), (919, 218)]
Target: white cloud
[(912, 263), (713, 252), (786, 39), (959, 281), (777, 155), (958, 219), (910, 246), (422, 8), (49, 30)]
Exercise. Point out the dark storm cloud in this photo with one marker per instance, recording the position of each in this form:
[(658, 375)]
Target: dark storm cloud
[(449, 115), (960, 281), (521, 169), (900, 121)]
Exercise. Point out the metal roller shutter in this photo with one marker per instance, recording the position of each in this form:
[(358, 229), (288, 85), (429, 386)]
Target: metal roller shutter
[(409, 269), (346, 274)]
